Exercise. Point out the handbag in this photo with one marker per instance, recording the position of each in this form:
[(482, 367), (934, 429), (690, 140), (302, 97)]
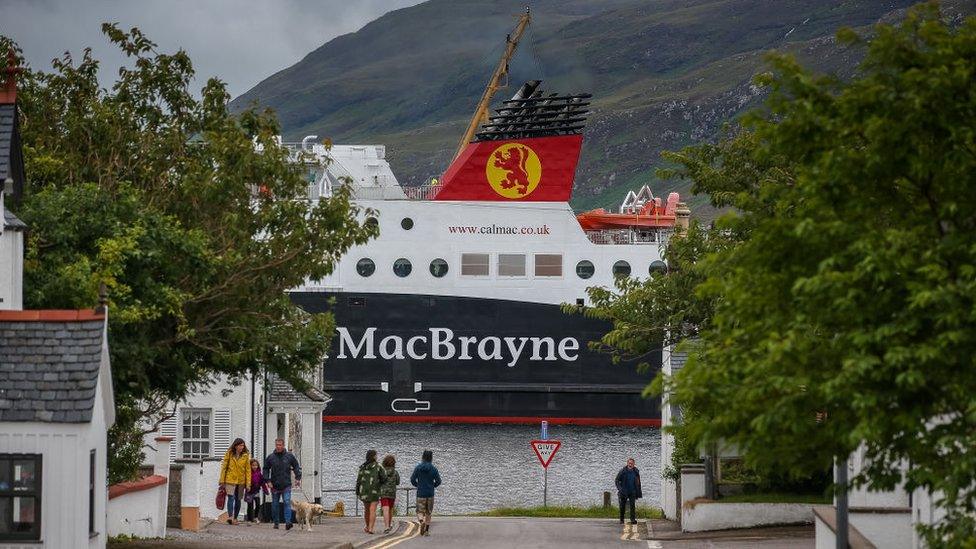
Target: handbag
[(221, 498)]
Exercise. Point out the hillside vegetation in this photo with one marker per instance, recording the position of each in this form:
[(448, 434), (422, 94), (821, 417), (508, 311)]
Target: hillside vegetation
[(664, 73)]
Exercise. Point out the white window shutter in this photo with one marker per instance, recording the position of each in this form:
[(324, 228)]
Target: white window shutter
[(221, 432), (169, 428)]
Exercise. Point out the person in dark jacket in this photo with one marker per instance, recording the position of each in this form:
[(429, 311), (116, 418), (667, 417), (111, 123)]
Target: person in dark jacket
[(629, 489), (426, 478), (278, 468)]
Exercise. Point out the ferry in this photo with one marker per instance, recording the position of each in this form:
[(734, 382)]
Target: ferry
[(455, 312)]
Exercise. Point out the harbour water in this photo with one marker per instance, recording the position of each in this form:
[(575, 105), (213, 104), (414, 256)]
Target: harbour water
[(488, 466)]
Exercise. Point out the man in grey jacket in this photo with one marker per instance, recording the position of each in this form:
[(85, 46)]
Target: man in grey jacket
[(278, 467)]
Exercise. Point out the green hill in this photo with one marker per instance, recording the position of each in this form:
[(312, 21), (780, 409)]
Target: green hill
[(664, 73)]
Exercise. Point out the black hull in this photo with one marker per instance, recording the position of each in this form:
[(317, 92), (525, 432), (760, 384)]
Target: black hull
[(562, 381)]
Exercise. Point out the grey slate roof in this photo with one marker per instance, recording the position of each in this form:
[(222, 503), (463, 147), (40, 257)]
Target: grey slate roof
[(12, 222), (282, 391), (8, 112), (49, 370)]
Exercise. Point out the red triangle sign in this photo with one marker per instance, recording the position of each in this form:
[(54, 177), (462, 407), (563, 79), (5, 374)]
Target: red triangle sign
[(545, 450)]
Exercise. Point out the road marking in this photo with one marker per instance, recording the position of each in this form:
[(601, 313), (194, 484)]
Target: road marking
[(654, 544), (631, 532), (412, 531)]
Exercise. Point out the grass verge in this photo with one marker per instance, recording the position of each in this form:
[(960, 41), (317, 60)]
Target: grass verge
[(560, 511)]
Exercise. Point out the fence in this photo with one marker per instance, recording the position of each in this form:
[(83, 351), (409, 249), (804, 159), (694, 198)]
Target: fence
[(406, 509)]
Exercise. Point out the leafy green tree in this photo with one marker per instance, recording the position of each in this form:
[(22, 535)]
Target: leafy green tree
[(194, 219), (846, 314), (840, 310)]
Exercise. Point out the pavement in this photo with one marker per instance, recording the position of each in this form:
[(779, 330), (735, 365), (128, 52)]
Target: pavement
[(332, 533), (477, 532)]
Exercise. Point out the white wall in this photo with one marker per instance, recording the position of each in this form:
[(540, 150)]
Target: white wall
[(65, 450), (221, 395), (704, 516), (888, 530), (11, 268), (137, 513)]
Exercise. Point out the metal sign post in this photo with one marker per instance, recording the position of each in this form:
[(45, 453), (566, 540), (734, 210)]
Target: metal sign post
[(545, 450)]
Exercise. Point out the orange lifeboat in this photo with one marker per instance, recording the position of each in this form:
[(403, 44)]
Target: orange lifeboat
[(639, 210)]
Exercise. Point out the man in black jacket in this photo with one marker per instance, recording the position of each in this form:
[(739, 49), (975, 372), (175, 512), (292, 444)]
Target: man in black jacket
[(278, 467), (629, 489)]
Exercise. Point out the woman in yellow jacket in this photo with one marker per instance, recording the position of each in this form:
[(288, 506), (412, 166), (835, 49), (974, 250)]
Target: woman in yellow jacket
[(235, 475)]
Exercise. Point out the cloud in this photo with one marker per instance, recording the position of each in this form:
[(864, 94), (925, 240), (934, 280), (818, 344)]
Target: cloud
[(239, 41)]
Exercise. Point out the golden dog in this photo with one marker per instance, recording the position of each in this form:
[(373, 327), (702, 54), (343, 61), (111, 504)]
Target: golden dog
[(305, 512)]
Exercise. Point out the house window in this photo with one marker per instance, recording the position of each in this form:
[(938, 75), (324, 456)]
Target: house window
[(20, 497), (474, 264), (91, 492), (548, 265), (511, 265), (196, 433)]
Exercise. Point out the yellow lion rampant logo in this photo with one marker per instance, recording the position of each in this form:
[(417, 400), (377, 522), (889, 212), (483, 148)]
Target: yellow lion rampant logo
[(513, 170)]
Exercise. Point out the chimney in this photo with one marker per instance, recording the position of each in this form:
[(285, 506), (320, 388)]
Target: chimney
[(682, 216), (8, 94)]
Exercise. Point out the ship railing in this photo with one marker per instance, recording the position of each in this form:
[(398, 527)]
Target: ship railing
[(626, 236), (406, 510), (395, 192)]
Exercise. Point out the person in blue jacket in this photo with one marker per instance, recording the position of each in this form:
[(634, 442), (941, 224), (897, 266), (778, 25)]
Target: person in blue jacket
[(628, 489), (425, 477)]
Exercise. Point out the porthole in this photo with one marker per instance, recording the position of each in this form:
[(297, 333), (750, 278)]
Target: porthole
[(657, 267), (365, 267), (585, 269), (406, 223), (621, 268), (372, 222), (402, 267), (438, 268)]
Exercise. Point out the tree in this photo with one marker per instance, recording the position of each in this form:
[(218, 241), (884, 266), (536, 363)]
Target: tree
[(195, 220), (846, 313), (842, 311)]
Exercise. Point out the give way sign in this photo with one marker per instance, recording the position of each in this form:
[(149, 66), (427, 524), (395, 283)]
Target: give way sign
[(545, 449)]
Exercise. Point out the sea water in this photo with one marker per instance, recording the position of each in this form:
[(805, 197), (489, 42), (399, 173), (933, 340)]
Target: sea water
[(487, 466)]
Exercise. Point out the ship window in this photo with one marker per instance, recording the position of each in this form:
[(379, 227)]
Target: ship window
[(438, 268), (406, 223), (585, 269), (621, 268), (365, 267), (657, 266), (511, 264), (402, 267), (372, 222), (548, 265), (474, 264)]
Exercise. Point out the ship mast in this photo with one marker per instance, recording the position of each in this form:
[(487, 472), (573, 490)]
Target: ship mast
[(481, 113)]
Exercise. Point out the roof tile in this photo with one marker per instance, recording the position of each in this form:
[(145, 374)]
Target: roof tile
[(49, 364)]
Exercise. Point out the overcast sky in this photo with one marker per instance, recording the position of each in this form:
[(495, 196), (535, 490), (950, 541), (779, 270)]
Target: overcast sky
[(240, 41)]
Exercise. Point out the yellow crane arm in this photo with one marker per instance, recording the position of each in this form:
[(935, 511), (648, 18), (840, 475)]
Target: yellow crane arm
[(481, 114)]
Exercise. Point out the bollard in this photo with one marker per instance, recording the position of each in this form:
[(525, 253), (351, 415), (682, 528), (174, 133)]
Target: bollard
[(606, 500)]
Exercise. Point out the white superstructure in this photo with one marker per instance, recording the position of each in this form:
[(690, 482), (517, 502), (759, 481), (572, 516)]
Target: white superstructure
[(521, 251)]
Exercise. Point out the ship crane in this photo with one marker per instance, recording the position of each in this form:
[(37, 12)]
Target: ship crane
[(481, 113)]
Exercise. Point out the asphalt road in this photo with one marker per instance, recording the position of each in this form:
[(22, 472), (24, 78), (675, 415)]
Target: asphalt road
[(527, 533), (522, 533)]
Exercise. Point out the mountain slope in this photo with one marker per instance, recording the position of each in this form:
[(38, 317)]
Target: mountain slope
[(664, 73)]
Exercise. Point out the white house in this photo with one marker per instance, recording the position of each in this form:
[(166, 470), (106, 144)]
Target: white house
[(56, 400), (208, 420), (56, 405)]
